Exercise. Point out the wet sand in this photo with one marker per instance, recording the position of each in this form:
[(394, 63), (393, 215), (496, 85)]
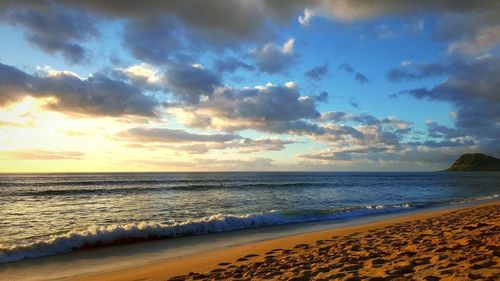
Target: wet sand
[(460, 244)]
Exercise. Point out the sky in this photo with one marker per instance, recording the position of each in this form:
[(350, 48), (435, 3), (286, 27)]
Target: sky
[(247, 85)]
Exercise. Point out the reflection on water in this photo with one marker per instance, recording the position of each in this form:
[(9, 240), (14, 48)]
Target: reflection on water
[(34, 207)]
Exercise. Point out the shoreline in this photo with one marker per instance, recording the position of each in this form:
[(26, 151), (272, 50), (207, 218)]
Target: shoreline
[(209, 260), (158, 260)]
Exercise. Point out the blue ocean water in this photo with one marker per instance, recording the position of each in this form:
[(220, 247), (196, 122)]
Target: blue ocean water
[(48, 214)]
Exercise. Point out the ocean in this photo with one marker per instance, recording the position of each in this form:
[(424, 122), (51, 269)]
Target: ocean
[(50, 214)]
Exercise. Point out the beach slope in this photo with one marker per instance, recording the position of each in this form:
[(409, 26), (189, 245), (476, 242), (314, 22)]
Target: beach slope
[(461, 244)]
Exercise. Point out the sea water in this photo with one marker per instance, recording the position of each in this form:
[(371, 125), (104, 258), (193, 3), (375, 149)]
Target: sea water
[(50, 214)]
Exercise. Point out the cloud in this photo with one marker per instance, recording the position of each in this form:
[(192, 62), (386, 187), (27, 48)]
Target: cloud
[(156, 31), (242, 145), (343, 116), (231, 64), (408, 157), (25, 124), (436, 130), (354, 104), (191, 82), (42, 155), (361, 78), (233, 18), (270, 108), (141, 75), (188, 83), (261, 144), (306, 18), (317, 73), (358, 76), (196, 143), (469, 27), (412, 27), (172, 136), (472, 89), (96, 95), (487, 38), (384, 32), (349, 10), (364, 140), (351, 136), (272, 59), (411, 71), (155, 42), (211, 164), (339, 154), (54, 29)]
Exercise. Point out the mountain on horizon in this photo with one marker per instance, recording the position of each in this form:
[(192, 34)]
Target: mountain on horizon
[(475, 162)]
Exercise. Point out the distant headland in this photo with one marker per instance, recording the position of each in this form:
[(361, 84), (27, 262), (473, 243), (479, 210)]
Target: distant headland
[(475, 162)]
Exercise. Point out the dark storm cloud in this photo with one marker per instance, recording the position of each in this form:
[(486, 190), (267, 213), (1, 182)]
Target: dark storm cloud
[(96, 95), (358, 76), (318, 72), (53, 28), (231, 64)]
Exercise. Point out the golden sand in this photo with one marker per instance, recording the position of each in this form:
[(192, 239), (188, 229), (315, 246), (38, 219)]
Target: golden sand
[(441, 245)]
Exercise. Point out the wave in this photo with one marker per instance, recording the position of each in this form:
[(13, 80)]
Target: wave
[(93, 182), (125, 189), (96, 236)]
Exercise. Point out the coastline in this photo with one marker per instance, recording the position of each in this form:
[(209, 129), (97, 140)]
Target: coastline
[(209, 260)]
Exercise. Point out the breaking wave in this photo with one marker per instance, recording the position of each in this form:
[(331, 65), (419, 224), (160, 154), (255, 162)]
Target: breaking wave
[(96, 236)]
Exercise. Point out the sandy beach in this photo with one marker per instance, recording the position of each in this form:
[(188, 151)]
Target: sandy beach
[(461, 244)]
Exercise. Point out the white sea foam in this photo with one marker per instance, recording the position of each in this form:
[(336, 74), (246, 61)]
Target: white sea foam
[(105, 235)]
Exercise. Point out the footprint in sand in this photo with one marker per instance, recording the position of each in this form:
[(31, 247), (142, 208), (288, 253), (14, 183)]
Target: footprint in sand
[(251, 256), (217, 270)]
